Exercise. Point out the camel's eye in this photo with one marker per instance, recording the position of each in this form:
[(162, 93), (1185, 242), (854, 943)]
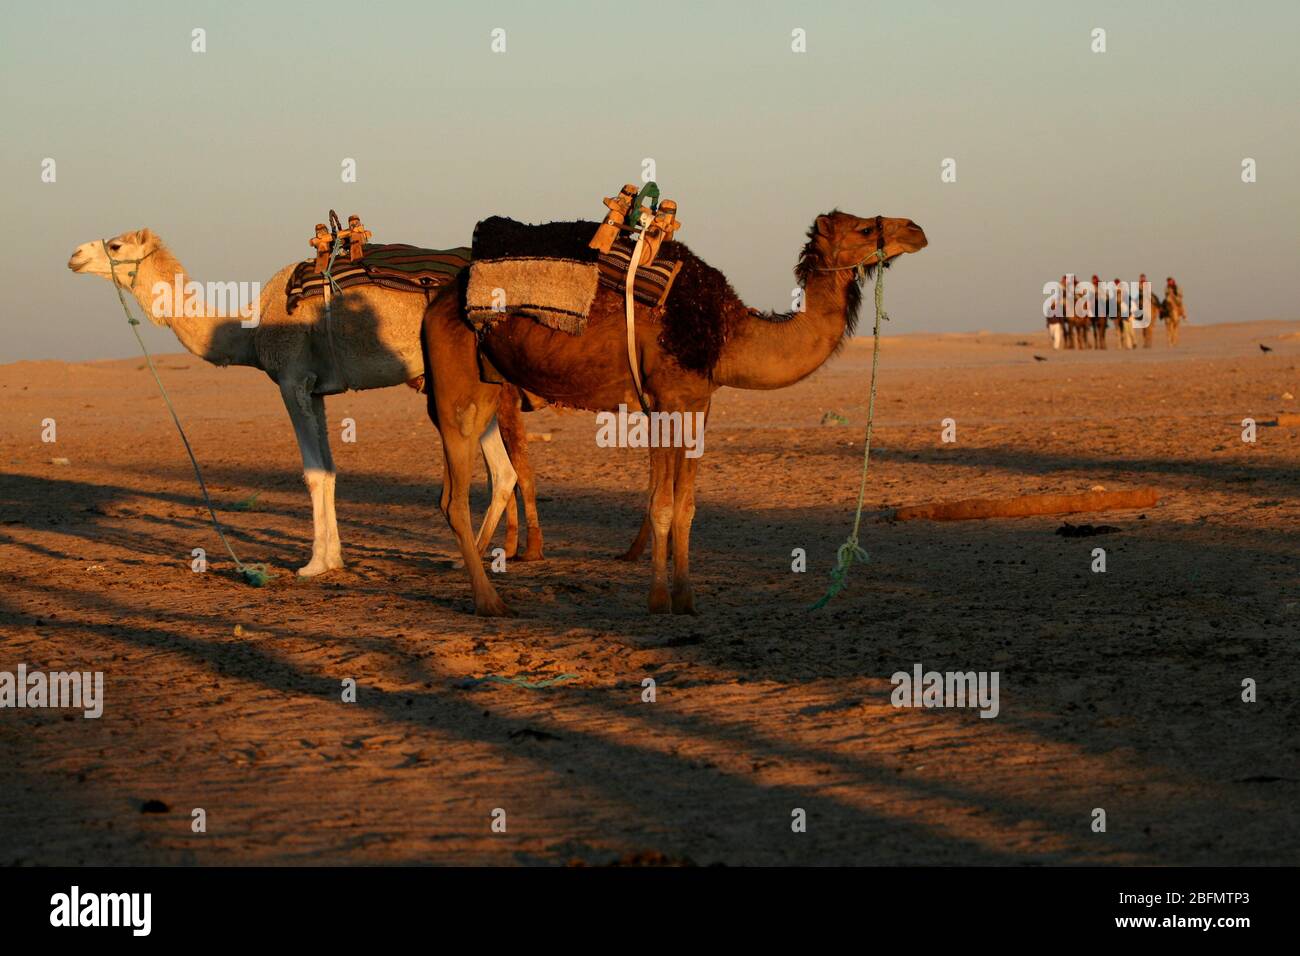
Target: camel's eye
[(114, 247)]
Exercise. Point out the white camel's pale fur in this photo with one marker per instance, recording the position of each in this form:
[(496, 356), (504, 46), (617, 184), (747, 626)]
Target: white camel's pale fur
[(375, 336)]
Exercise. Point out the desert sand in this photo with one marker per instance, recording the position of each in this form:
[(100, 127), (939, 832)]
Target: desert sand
[(1119, 690)]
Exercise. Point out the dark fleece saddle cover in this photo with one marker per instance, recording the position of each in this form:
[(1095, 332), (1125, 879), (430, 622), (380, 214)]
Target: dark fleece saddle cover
[(701, 306), (501, 238)]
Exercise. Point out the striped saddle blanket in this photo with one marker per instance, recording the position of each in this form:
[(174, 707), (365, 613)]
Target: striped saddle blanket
[(396, 266), (549, 273), (652, 283)]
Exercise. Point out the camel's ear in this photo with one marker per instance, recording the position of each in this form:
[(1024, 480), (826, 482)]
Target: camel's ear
[(144, 237), (824, 226)]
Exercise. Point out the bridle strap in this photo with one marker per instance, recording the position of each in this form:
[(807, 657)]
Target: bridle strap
[(114, 263)]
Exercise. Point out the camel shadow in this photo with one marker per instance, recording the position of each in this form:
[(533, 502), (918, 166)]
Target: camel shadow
[(682, 794), (1077, 650)]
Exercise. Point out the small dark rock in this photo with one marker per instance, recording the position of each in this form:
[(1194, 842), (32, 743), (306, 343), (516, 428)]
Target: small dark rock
[(1068, 530)]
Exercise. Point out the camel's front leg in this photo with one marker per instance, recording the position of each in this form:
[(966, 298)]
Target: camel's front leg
[(318, 470), (662, 468), (333, 545), (683, 515)]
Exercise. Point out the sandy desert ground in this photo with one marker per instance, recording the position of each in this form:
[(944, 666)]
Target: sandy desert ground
[(1118, 690)]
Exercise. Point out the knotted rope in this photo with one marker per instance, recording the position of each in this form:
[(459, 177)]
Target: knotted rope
[(255, 574), (850, 551)]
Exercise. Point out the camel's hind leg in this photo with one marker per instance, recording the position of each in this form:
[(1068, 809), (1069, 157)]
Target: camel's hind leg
[(307, 412), (637, 548), (459, 424), (510, 418), (461, 407), (501, 480), (633, 553)]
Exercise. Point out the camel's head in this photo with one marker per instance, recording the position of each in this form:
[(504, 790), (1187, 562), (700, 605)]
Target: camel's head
[(89, 258), (839, 240)]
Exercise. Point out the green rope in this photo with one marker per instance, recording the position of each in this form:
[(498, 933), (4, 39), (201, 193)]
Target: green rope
[(850, 551), (329, 267), (255, 574), (520, 682)]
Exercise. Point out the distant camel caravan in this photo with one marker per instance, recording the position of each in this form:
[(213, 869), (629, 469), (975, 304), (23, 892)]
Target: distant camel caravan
[(373, 342), (703, 337), (1095, 303)]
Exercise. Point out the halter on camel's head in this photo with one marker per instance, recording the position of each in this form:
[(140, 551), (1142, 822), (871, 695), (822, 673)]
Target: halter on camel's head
[(135, 263), (877, 255)]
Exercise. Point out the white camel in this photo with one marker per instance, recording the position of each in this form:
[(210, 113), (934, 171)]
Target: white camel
[(372, 340)]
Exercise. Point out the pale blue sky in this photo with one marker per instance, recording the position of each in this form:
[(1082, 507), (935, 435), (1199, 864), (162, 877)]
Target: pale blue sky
[(1117, 163)]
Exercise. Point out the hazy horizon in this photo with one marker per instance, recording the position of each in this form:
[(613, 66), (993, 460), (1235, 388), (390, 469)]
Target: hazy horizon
[(1118, 163)]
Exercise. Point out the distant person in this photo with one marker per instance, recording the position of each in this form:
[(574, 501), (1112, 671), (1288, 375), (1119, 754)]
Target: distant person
[(1151, 314), (1056, 329), (1097, 316), (1105, 300), (1173, 312), (1078, 324), (1056, 318), (1124, 316)]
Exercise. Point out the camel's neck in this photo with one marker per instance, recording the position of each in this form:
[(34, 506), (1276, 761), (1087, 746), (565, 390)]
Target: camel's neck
[(774, 354), (213, 337)]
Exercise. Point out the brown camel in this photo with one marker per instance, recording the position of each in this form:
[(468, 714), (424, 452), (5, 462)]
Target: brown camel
[(1149, 330), (703, 338), (1079, 330)]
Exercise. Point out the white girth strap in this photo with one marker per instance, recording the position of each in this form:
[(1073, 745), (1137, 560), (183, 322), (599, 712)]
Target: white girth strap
[(630, 305)]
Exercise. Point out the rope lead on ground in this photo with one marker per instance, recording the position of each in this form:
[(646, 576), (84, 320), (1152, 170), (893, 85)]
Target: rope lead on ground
[(850, 551), (255, 574)]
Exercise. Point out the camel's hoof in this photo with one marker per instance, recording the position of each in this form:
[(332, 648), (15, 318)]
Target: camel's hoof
[(494, 607), (319, 566), (684, 601), (632, 554), (660, 603), (531, 554)]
